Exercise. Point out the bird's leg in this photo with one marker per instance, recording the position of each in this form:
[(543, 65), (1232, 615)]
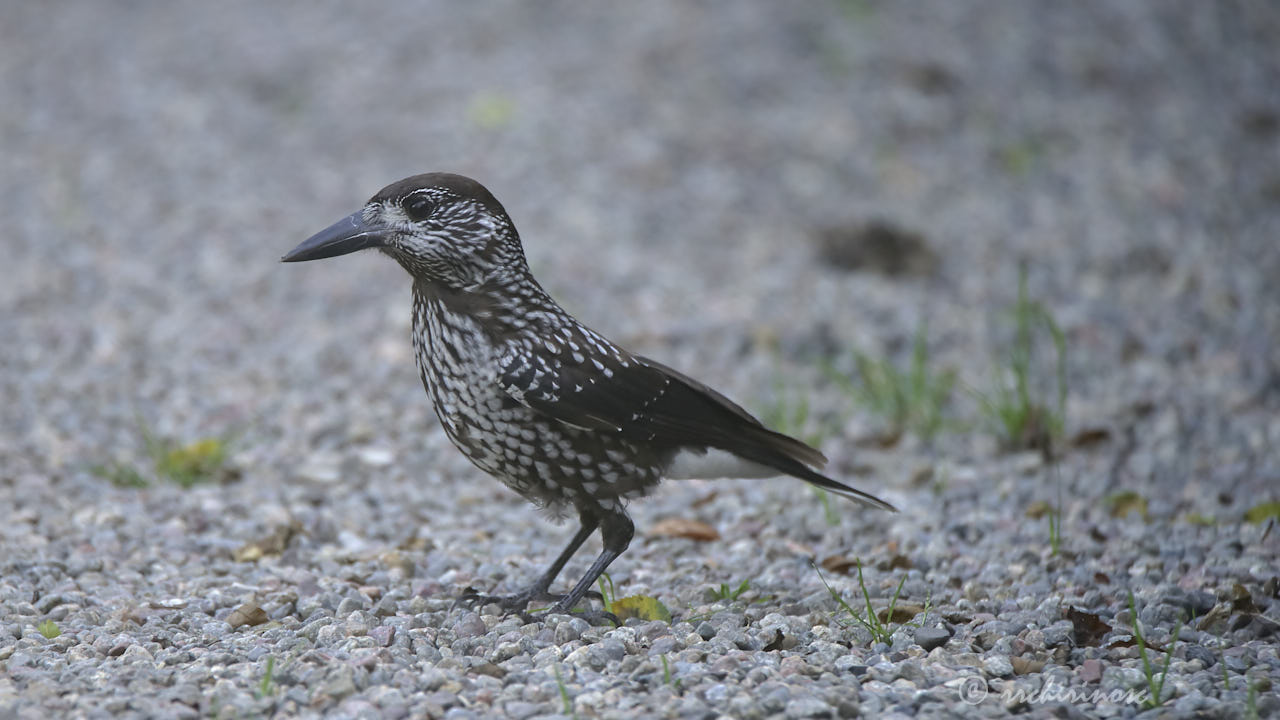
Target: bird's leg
[(538, 589), (616, 529)]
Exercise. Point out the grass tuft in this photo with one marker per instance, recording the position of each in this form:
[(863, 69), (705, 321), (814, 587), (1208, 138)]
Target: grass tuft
[(264, 687), (880, 629), (203, 461), (912, 398), (186, 465), (729, 594), (667, 679), (829, 513), (565, 700), (1154, 687), (1055, 514), (607, 592), (122, 475), (1016, 411), (788, 413)]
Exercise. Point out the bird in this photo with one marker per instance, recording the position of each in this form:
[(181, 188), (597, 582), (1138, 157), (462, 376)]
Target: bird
[(558, 413)]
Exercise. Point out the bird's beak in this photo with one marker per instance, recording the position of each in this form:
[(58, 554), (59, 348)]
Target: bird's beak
[(348, 235)]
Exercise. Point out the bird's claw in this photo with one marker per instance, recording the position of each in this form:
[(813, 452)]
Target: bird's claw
[(509, 603), (593, 617), (518, 603)]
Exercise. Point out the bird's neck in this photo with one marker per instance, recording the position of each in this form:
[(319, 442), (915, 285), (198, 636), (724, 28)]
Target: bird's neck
[(503, 307)]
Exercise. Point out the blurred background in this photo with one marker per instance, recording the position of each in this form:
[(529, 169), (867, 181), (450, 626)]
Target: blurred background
[(747, 191)]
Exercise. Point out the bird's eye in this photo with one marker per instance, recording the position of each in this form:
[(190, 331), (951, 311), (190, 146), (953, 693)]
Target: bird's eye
[(419, 207)]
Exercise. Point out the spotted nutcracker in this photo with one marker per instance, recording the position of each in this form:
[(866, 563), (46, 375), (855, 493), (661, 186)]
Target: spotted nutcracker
[(533, 397)]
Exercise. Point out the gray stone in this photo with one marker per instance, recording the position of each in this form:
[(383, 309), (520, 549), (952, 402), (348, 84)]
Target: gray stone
[(469, 625), (570, 629), (807, 707), (997, 666), (931, 637), (1207, 657)]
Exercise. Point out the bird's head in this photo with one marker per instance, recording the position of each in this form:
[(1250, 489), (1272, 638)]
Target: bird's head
[(443, 228)]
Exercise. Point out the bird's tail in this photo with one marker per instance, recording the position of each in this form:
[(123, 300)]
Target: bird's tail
[(797, 459), (835, 486)]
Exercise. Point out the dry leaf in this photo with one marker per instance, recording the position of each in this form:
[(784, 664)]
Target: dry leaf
[(395, 560), (896, 561), (1088, 437), (1026, 666), (1038, 509), (1218, 614), (640, 606), (922, 475), (273, 543), (1125, 502), (1263, 512), (902, 612), (798, 548), (488, 668), (1242, 600), (704, 499), (881, 440), (417, 543), (684, 528), (1089, 628), (247, 614), (135, 614), (839, 564), (776, 642)]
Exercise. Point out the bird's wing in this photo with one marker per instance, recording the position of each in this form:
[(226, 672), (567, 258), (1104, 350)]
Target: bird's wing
[(635, 397), (640, 398)]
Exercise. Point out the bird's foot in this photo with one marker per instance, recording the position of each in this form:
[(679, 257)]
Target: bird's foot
[(593, 617), (519, 601), (509, 603)]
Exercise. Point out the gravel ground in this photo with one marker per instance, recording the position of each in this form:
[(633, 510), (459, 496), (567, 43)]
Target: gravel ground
[(695, 180)]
